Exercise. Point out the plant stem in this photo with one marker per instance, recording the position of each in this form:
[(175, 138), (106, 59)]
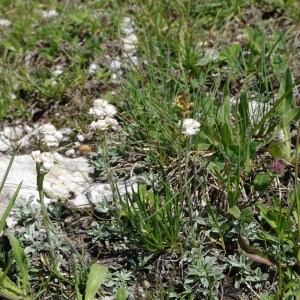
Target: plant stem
[(109, 173), (187, 190), (47, 222), (296, 178)]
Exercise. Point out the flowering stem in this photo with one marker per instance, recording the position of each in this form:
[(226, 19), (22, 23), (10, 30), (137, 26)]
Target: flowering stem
[(181, 196), (108, 171), (296, 177), (48, 223), (40, 181), (187, 191)]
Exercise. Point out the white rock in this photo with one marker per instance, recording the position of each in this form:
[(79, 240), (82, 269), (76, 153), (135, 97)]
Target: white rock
[(57, 72), (80, 137), (126, 20), (13, 133), (49, 14), (70, 153), (115, 65), (80, 201), (102, 191), (28, 129), (69, 178), (5, 144), (12, 96), (114, 78), (127, 30), (5, 23), (130, 44), (99, 193), (92, 68)]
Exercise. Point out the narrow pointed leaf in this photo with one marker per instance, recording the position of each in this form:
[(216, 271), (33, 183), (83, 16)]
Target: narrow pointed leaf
[(9, 207), (19, 256)]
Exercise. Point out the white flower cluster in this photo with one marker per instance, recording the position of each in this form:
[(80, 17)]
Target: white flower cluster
[(48, 135), (46, 159), (190, 127), (104, 112)]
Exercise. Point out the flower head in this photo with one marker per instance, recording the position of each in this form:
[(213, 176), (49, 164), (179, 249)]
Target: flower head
[(48, 135), (102, 109), (277, 166), (104, 112), (190, 127), (102, 125), (46, 160)]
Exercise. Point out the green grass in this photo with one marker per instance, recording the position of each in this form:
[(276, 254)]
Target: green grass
[(212, 216)]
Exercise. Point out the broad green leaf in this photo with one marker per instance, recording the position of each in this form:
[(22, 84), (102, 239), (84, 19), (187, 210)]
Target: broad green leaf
[(285, 93), (96, 277), (267, 296), (121, 294), (277, 150), (19, 255), (262, 181), (268, 216), (226, 134), (291, 116), (235, 211)]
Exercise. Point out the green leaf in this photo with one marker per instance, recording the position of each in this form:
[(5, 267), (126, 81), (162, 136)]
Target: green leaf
[(235, 211), (243, 117), (226, 134), (285, 93), (268, 216), (262, 181), (19, 255), (277, 150), (121, 294), (9, 290), (9, 207), (254, 254), (291, 116), (224, 111), (96, 277)]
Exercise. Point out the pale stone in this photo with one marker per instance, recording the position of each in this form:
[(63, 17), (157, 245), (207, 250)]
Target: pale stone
[(115, 65), (70, 153), (102, 191), (92, 68), (80, 137), (80, 201), (99, 193), (130, 44), (5, 23), (62, 182), (13, 133), (49, 14), (5, 144), (127, 30)]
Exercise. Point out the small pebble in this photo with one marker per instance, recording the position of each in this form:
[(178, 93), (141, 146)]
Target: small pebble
[(49, 14), (80, 137), (5, 23), (70, 153)]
